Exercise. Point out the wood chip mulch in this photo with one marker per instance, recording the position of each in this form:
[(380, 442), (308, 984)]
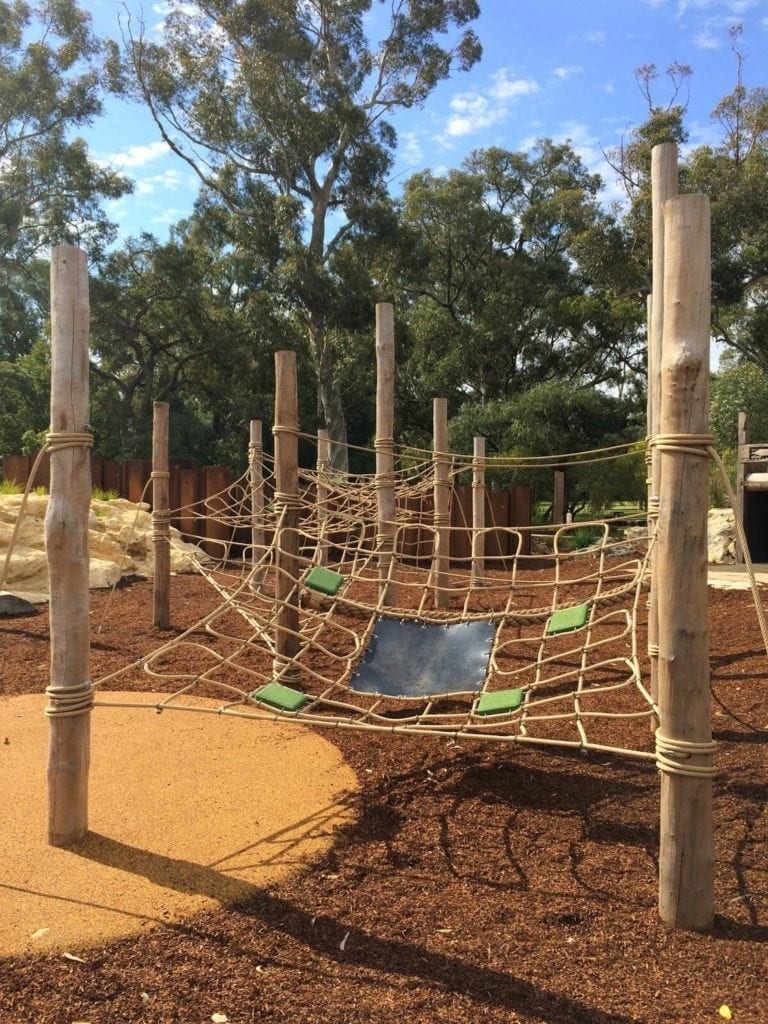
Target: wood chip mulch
[(503, 885)]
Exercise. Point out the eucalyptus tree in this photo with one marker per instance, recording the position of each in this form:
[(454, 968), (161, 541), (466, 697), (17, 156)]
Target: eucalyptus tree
[(515, 276), (733, 172), (283, 109), (52, 74)]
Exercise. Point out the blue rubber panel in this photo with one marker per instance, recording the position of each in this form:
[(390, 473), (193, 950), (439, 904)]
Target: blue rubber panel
[(411, 659)]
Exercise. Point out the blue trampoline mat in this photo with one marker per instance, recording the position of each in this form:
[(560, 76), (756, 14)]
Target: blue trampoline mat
[(414, 659)]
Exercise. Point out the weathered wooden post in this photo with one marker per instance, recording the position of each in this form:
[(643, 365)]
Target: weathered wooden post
[(286, 432), (663, 187), (256, 483), (478, 511), (558, 503), (323, 492), (66, 542), (161, 518), (385, 448), (442, 491), (742, 455), (684, 739)]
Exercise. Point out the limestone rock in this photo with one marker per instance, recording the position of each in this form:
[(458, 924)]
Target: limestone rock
[(721, 533), (119, 539)]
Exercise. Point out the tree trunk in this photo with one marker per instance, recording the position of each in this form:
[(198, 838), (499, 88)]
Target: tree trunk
[(329, 394)]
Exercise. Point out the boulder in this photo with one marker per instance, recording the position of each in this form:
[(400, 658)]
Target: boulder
[(721, 536), (10, 604), (119, 540)]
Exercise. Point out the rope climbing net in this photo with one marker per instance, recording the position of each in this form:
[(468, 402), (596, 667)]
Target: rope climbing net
[(534, 642)]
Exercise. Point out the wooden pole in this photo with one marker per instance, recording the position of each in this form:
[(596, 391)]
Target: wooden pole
[(385, 448), (442, 492), (558, 504), (66, 541), (287, 501), (663, 187), (256, 479), (684, 739), (478, 511), (323, 491), (161, 521), (741, 468)]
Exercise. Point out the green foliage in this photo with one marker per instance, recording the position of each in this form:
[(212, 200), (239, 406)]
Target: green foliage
[(10, 487), (583, 537), (507, 282), (741, 387), (100, 494), (24, 400), (51, 75), (554, 418)]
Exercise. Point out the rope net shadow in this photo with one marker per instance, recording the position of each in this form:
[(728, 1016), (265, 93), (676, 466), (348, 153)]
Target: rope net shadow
[(517, 646)]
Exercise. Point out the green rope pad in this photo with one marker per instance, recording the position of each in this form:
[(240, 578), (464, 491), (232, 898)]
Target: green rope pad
[(499, 703), (565, 620), (326, 581), (280, 697)]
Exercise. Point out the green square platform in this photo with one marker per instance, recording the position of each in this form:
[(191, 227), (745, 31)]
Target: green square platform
[(566, 620), (499, 703), (280, 697), (326, 581)]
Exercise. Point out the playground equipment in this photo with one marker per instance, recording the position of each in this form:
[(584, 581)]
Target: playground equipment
[(544, 653), (752, 494)]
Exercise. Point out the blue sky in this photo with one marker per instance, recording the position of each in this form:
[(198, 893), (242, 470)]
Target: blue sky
[(557, 68)]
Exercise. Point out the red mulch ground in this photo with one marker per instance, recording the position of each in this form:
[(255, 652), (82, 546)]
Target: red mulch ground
[(503, 885)]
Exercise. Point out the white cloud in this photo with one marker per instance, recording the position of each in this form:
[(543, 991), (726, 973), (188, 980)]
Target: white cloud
[(609, 88), (704, 40), (169, 179), (596, 36), (138, 156), (411, 151), (169, 216), (473, 111), (506, 88), (568, 72)]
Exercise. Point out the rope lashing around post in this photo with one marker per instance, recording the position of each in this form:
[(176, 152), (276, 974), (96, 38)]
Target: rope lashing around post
[(69, 701), (160, 474), (672, 755), (161, 521), (701, 445), (55, 441), (58, 440), (385, 480), (289, 502)]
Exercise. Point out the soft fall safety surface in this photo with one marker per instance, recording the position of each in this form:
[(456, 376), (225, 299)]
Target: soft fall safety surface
[(503, 885)]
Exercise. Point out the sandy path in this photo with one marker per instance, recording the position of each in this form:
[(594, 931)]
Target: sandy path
[(187, 811)]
